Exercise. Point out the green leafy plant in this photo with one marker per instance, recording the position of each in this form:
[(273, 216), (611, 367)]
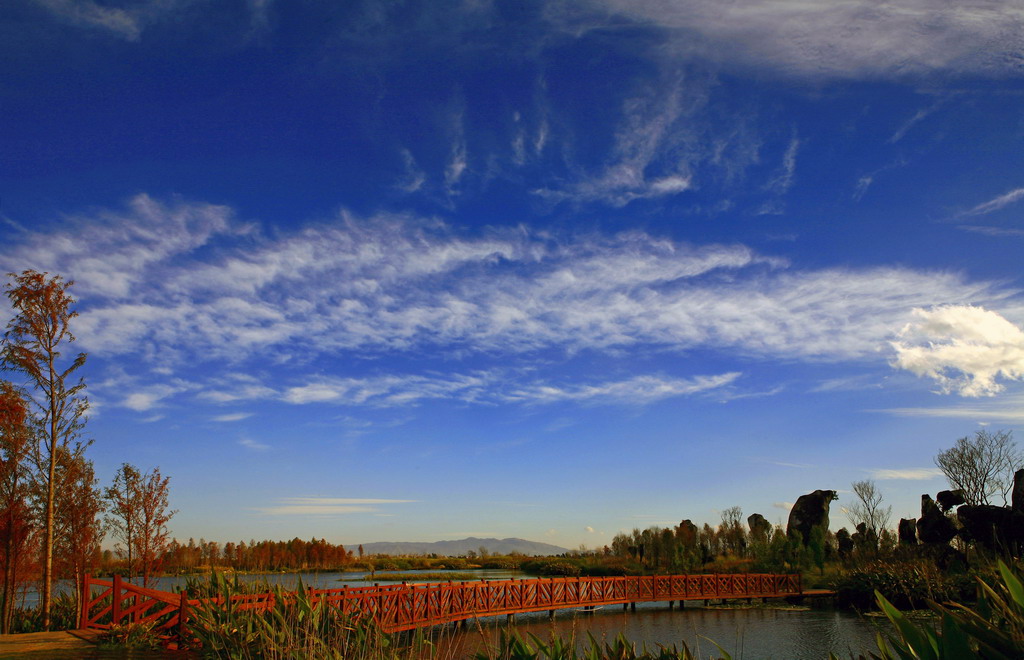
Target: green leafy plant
[(992, 629)]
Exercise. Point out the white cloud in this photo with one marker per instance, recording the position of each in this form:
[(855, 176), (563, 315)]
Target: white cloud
[(637, 390), (992, 231), (852, 38), (912, 474), (1005, 409), (232, 417), (588, 529), (86, 13), (785, 506), (249, 443), (151, 396), (186, 284), (653, 124), (995, 204), (325, 506), (965, 349), (414, 177)]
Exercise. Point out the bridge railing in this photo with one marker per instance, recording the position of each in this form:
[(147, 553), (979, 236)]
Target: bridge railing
[(406, 606)]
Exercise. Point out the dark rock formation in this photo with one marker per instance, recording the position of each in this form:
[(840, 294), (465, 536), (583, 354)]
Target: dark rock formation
[(686, 532), (1017, 498), (844, 543), (996, 528), (810, 511), (934, 526), (760, 528), (865, 539), (948, 499), (908, 531)]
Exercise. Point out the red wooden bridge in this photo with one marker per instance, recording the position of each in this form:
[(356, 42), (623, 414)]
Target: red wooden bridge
[(407, 606)]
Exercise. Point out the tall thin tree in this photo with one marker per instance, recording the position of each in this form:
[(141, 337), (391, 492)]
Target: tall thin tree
[(32, 345), (123, 512), (154, 514)]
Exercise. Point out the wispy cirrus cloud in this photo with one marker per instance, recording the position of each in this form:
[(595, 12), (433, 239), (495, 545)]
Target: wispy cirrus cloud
[(232, 417), (996, 203), (858, 38), (638, 390), (998, 232), (325, 506), (253, 445), (911, 474), (1006, 409), (187, 283), (652, 125)]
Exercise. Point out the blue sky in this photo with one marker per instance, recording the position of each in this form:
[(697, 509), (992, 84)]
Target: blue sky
[(416, 271)]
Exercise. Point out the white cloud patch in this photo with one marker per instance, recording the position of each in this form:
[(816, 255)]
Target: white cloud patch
[(785, 506), (997, 232), (911, 474), (232, 417), (147, 397), (964, 348), (249, 443), (653, 123), (997, 203), (854, 38), (638, 390), (86, 13), (181, 285), (325, 506), (1005, 409)]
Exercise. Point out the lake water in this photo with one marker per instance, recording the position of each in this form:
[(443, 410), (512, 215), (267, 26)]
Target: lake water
[(757, 633)]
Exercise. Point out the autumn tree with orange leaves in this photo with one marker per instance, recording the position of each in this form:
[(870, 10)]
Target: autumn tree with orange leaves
[(17, 530), (79, 529), (138, 515), (32, 346)]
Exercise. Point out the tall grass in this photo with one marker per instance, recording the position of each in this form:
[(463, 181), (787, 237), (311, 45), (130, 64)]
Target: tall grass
[(295, 627)]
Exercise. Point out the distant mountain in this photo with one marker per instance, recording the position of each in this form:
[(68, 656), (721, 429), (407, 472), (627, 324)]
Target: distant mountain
[(462, 547)]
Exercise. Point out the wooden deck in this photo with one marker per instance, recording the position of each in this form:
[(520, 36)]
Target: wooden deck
[(59, 644)]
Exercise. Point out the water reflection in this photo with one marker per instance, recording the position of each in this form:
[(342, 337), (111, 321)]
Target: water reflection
[(756, 633)]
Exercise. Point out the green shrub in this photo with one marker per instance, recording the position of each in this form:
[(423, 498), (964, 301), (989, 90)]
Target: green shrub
[(907, 584)]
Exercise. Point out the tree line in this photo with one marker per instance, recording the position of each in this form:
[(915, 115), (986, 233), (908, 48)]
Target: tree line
[(53, 514)]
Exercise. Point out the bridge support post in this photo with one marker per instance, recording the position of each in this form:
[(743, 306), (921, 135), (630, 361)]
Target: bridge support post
[(632, 607), (551, 614), (671, 604), (625, 606), (511, 619)]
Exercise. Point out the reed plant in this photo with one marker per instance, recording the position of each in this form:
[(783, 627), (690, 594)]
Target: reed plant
[(293, 626), (513, 646), (992, 629)]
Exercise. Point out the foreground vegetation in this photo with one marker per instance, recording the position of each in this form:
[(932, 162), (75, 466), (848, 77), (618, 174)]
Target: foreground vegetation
[(992, 628)]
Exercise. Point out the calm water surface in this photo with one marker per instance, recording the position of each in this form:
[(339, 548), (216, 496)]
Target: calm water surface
[(758, 633)]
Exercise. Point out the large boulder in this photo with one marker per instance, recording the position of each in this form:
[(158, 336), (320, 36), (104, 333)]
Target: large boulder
[(844, 543), (996, 528), (908, 531), (1017, 498), (760, 528), (808, 512), (686, 532), (948, 499), (934, 526)]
